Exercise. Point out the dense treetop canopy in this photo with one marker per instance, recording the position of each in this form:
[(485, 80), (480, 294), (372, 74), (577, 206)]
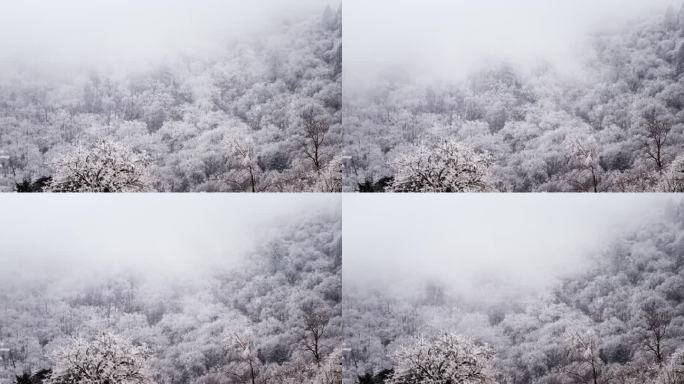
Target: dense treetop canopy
[(618, 127), (235, 119)]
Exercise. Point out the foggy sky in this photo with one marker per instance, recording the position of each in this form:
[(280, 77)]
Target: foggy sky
[(506, 242), (55, 36), (156, 234), (446, 39)]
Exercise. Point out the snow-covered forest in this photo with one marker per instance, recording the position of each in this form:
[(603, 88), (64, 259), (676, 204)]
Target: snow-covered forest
[(254, 104), (536, 110), (530, 309), (143, 291)]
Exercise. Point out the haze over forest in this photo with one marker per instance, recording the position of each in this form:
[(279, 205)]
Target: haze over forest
[(203, 96), (525, 96), (171, 289), (514, 289)]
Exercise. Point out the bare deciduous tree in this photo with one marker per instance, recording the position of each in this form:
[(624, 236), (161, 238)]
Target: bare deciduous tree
[(315, 323), (656, 320), (656, 131), (314, 136)]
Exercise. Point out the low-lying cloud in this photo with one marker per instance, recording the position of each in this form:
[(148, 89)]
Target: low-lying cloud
[(55, 36), (169, 235), (479, 244), (448, 39)]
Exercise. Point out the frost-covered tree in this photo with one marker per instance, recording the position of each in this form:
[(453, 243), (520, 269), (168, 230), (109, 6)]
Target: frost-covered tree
[(331, 371), (445, 359), (330, 177), (585, 348), (584, 155), (673, 179), (105, 166), (673, 372), (247, 365), (246, 169), (449, 166), (106, 359)]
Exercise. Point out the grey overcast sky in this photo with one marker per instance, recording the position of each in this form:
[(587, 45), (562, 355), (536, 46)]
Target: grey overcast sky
[(525, 240), (174, 234), (446, 39), (107, 34)]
